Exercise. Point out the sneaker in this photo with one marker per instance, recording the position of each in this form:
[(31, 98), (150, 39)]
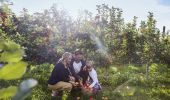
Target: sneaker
[(54, 93)]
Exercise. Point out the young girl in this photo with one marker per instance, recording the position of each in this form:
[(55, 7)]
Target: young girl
[(92, 82)]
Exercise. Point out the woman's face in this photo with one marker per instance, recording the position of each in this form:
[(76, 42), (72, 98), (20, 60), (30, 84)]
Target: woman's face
[(68, 59)]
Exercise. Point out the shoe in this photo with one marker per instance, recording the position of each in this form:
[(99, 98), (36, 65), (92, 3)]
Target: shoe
[(54, 93)]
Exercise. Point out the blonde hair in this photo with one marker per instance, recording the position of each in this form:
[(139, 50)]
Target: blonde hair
[(64, 56)]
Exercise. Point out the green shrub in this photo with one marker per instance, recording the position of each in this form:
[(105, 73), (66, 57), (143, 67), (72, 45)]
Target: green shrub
[(41, 73), (12, 68)]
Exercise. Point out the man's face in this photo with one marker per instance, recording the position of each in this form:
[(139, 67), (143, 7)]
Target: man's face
[(78, 57)]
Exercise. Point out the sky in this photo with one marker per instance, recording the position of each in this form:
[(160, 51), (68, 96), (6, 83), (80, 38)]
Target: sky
[(139, 8)]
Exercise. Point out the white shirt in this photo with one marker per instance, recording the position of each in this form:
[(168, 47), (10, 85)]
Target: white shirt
[(93, 76), (77, 66)]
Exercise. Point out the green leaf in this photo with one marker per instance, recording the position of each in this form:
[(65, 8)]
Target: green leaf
[(8, 92), (11, 46), (13, 70), (12, 56)]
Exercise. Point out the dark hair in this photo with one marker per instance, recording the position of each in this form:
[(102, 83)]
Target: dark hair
[(77, 51)]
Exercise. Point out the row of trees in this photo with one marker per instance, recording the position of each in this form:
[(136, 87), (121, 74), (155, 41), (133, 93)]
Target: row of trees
[(104, 37)]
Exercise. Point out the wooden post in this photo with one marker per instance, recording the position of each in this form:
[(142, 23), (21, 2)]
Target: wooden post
[(163, 34), (164, 29)]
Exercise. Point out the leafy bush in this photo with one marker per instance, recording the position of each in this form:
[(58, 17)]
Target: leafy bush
[(41, 73), (13, 68)]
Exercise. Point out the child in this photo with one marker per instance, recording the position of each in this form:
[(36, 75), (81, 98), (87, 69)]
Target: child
[(92, 82)]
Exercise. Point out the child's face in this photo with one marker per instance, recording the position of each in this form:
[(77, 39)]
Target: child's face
[(89, 66), (89, 69)]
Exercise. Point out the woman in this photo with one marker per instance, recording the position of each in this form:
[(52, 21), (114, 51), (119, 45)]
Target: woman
[(61, 77)]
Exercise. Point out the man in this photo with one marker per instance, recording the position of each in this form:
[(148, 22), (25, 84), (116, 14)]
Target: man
[(78, 67), (61, 77)]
